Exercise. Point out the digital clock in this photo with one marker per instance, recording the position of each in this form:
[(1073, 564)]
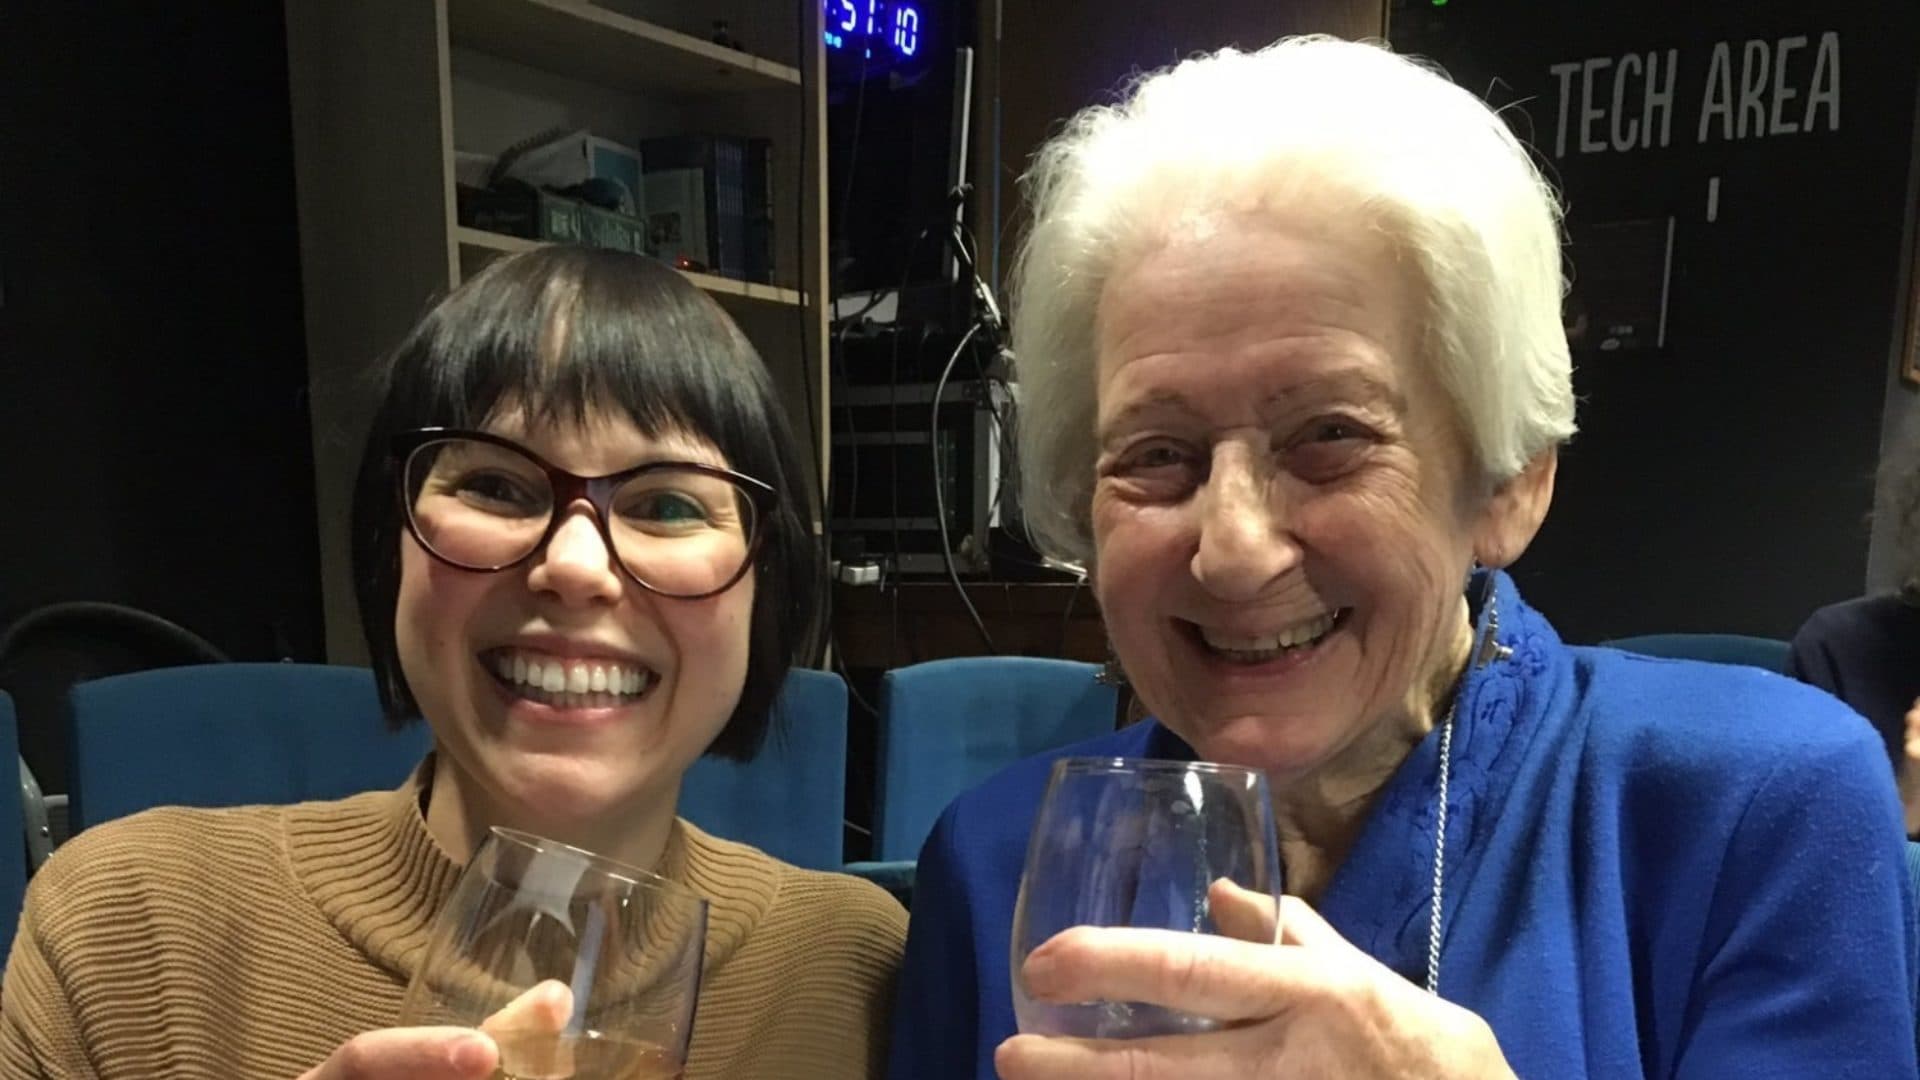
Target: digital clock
[(876, 30)]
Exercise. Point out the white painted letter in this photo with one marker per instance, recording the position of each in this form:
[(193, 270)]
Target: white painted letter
[(1565, 73), (1588, 114), (1719, 97), (1826, 82), (1661, 99), (1624, 136), (1753, 81), (1782, 93)]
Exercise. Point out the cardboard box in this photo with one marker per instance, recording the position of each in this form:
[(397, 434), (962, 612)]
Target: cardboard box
[(582, 156)]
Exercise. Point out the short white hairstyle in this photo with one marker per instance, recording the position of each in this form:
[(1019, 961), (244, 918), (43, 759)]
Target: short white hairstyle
[(1309, 125)]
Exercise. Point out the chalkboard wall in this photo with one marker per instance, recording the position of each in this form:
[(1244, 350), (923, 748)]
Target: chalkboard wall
[(1737, 177)]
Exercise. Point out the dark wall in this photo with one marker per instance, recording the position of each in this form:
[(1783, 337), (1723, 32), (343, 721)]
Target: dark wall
[(1719, 482), (1059, 56), (154, 446)]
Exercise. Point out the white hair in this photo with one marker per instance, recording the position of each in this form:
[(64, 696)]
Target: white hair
[(1313, 125)]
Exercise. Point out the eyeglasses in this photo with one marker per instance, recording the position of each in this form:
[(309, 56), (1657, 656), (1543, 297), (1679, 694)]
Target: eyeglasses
[(482, 502)]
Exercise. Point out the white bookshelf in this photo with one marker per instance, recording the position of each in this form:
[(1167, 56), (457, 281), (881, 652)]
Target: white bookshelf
[(385, 92), (478, 245), (605, 47)]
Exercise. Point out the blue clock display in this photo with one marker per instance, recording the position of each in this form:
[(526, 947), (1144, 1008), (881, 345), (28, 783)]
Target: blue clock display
[(880, 30)]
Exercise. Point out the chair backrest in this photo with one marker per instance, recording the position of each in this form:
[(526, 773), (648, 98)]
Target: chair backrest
[(1760, 652), (790, 800), (231, 735), (13, 836), (946, 725), (47, 651), (1913, 917)]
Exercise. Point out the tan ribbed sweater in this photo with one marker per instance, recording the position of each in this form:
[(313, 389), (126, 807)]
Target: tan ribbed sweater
[(251, 942)]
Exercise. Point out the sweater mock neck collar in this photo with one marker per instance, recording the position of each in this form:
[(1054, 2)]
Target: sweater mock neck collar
[(375, 872)]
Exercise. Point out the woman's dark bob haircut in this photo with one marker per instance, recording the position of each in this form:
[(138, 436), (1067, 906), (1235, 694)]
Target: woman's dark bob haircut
[(568, 334)]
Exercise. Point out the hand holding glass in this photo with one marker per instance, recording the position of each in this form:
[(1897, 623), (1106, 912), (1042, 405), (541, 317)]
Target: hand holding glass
[(576, 965), (1129, 842)]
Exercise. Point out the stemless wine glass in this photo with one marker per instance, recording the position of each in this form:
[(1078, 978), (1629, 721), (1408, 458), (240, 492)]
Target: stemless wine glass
[(617, 949), (1132, 842)]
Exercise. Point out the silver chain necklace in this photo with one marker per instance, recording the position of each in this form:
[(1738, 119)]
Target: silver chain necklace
[(1482, 653), (1440, 847)]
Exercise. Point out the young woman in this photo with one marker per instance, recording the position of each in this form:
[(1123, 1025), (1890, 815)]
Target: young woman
[(583, 555)]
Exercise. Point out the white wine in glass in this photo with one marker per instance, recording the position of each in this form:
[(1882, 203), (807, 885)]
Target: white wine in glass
[(578, 967), (1135, 842)]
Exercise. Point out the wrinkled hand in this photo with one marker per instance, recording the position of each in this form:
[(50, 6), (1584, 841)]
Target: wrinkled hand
[(1310, 1006), (1910, 770), (446, 1053)]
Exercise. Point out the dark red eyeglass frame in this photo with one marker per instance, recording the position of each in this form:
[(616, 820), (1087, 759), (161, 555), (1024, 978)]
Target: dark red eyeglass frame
[(569, 487)]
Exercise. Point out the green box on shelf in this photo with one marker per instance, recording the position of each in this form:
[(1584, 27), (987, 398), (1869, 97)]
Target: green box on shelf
[(606, 229), (558, 220), (538, 215)]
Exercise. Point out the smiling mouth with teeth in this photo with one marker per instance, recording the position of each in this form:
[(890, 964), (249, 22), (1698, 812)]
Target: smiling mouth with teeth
[(1293, 640), (568, 684)]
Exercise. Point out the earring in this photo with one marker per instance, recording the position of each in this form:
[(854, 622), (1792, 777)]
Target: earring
[(1111, 673)]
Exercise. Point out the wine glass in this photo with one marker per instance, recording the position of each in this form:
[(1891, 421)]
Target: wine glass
[(576, 965), (1134, 842)]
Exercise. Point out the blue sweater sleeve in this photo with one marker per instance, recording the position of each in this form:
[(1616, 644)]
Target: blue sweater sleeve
[(936, 1014), (1807, 962)]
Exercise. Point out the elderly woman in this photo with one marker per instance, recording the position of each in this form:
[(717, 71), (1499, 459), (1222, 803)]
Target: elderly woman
[(1294, 320)]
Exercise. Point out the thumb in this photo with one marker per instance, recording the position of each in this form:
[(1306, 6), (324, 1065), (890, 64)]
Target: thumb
[(544, 1008), (443, 1053), (1242, 913)]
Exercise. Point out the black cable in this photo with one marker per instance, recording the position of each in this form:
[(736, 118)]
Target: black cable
[(893, 426), (853, 161), (853, 449), (874, 300), (962, 239), (893, 490), (840, 665), (822, 295), (1008, 479), (800, 249), (846, 676), (1066, 620), (939, 494)]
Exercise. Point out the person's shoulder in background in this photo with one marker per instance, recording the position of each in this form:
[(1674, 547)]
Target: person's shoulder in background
[(1866, 652), (1836, 639)]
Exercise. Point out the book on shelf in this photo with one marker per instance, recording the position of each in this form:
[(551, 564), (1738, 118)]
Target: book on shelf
[(709, 201)]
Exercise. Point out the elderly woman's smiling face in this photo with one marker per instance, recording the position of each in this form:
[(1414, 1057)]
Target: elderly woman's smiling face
[(1285, 507)]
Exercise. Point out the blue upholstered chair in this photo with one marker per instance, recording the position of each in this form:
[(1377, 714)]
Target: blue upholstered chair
[(790, 801), (946, 725), (1768, 653), (1913, 875), (13, 836), (231, 735)]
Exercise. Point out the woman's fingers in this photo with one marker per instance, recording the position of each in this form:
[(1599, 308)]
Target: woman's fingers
[(526, 1029), (447, 1053), (1221, 1055), (1301, 925), (1207, 974), (1242, 913), (1250, 916), (545, 1008)]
